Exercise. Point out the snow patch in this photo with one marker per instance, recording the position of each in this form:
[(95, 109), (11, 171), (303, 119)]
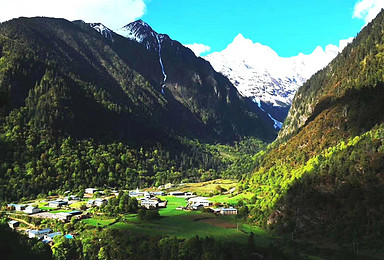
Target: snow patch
[(103, 30), (257, 71), (162, 66), (276, 124)]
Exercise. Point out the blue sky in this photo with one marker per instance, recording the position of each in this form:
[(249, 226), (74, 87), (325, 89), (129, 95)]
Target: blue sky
[(287, 26)]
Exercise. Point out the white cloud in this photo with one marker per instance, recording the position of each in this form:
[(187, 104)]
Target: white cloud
[(367, 9), (112, 13), (198, 48)]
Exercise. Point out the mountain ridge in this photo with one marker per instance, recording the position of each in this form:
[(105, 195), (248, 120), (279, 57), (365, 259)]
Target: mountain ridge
[(262, 75), (323, 177)]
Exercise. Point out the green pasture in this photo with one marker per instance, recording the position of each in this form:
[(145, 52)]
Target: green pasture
[(77, 205), (99, 222), (187, 224), (60, 211), (228, 198), (208, 186)]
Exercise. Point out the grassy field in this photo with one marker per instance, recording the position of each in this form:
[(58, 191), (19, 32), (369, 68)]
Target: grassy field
[(99, 222), (207, 187), (186, 224), (46, 208), (228, 198), (77, 205), (60, 211)]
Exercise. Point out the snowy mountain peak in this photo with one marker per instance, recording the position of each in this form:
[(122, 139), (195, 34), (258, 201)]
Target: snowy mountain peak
[(141, 32), (244, 47), (103, 30), (260, 73)]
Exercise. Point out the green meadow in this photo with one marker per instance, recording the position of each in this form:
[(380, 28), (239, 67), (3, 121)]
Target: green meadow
[(186, 224)]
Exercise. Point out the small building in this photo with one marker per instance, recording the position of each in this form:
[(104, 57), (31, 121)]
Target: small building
[(57, 203), (228, 211), (48, 238), (66, 216), (138, 193), (73, 197), (149, 203), (13, 224), (177, 193), (38, 233), (90, 203), (200, 201), (162, 204), (63, 216), (17, 207), (100, 202), (32, 210), (168, 185), (196, 206), (158, 193), (91, 190)]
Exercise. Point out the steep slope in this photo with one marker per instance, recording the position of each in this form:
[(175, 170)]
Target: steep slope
[(324, 175), (193, 82), (83, 106), (116, 86), (270, 80)]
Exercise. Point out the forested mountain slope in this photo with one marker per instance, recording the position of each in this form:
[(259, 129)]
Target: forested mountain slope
[(113, 86), (324, 175), (82, 106)]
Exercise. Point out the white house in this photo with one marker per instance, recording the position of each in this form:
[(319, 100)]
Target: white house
[(138, 193), (18, 207), (196, 206), (228, 211), (177, 193), (158, 193), (90, 190), (73, 197), (150, 203), (13, 224), (31, 210), (57, 203), (100, 202), (200, 201), (38, 233), (49, 237)]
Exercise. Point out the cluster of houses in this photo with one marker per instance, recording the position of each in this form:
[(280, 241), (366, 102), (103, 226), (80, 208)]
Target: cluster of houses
[(29, 209), (197, 203), (97, 202), (138, 193), (46, 235), (152, 202), (149, 200)]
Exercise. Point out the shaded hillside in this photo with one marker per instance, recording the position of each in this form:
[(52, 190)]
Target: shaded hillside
[(323, 177), (113, 88), (83, 107)]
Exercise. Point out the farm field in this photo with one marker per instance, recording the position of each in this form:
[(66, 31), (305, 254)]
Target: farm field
[(205, 188), (186, 224)]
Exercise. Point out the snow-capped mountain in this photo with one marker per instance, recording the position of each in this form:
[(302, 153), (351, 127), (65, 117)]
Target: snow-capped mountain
[(188, 82), (103, 30), (260, 73), (141, 32)]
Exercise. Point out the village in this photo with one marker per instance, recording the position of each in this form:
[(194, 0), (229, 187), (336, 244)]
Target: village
[(71, 208)]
